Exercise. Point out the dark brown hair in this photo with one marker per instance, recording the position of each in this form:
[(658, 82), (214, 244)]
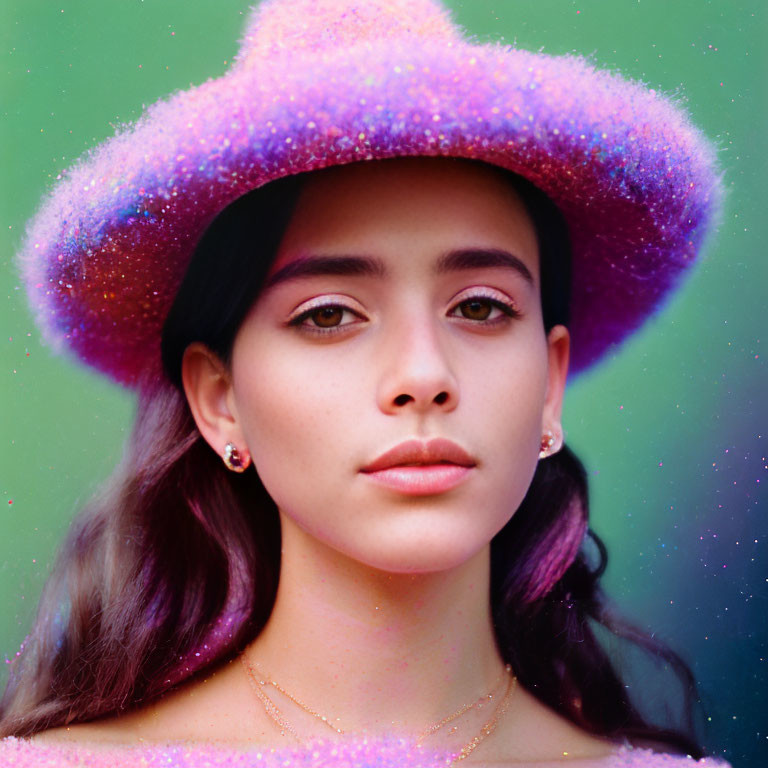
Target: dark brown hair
[(174, 567)]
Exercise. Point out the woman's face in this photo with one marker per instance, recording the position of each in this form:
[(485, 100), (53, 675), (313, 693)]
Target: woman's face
[(403, 305)]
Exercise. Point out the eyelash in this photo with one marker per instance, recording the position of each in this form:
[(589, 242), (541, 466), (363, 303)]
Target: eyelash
[(508, 309), (510, 312), (298, 321)]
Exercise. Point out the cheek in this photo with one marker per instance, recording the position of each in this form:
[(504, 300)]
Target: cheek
[(292, 412), (510, 398), (509, 388)]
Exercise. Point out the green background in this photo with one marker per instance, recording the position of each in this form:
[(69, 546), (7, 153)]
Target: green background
[(672, 427)]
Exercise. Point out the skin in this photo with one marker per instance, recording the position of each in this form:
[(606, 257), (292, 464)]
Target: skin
[(382, 618), (312, 409)]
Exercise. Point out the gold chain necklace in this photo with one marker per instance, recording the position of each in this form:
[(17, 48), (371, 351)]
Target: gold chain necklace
[(259, 682), (490, 725)]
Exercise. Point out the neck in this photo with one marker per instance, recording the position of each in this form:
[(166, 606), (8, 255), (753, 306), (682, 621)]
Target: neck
[(377, 651)]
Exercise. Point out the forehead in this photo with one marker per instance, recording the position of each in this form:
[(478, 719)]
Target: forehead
[(408, 207)]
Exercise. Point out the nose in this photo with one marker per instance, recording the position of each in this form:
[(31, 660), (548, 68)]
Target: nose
[(416, 374)]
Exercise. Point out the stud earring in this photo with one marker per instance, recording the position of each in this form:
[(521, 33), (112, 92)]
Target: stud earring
[(233, 460), (548, 441)]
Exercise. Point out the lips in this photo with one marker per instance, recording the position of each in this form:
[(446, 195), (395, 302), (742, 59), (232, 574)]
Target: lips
[(417, 468), (415, 453)]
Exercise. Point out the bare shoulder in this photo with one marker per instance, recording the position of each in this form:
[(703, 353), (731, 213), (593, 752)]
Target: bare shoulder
[(209, 709), (532, 732)]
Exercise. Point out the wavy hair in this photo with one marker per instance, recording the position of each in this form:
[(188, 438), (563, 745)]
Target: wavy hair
[(173, 568)]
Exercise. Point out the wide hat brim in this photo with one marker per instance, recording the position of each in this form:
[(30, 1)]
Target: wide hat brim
[(636, 182)]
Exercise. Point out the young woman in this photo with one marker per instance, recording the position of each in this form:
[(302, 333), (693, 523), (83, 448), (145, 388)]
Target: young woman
[(348, 281)]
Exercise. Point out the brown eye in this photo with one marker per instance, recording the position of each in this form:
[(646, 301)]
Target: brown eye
[(475, 309), (327, 317)]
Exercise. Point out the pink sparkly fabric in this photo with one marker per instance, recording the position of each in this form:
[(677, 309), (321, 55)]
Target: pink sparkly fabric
[(325, 82), (367, 753)]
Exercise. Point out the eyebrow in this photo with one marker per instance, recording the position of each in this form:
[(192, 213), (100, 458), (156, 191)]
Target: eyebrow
[(481, 258), (459, 260), (312, 266)]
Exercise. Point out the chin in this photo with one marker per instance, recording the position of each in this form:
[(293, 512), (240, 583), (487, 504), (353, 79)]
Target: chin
[(407, 537), (431, 550)]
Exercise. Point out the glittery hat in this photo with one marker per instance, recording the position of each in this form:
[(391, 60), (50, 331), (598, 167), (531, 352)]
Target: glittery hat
[(325, 82)]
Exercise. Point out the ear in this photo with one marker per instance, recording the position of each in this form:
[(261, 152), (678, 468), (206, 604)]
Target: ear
[(208, 387), (558, 349)]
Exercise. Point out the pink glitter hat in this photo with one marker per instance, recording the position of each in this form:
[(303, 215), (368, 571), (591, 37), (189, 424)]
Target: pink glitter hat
[(326, 82)]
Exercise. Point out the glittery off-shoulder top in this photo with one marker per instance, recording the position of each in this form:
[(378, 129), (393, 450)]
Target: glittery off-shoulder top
[(357, 753)]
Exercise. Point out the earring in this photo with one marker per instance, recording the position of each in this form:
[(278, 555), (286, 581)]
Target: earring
[(548, 441), (233, 460)]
